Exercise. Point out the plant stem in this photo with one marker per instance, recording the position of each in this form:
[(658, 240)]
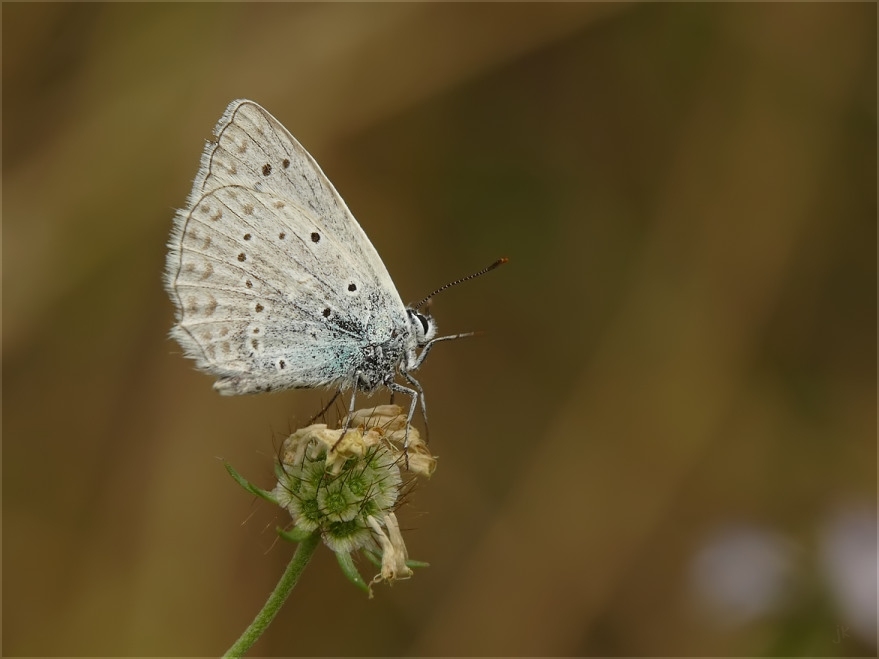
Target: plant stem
[(276, 600)]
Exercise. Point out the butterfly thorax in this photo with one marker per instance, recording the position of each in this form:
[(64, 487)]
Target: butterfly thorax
[(379, 362)]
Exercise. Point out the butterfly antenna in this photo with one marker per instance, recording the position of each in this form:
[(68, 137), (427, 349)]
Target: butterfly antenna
[(461, 281)]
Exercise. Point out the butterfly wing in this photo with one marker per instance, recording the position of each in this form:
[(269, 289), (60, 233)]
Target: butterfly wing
[(275, 283)]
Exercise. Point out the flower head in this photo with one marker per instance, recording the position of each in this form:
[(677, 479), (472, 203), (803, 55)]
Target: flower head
[(347, 484)]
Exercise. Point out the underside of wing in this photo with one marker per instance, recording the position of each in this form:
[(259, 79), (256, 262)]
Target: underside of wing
[(254, 150), (267, 298), (275, 283)]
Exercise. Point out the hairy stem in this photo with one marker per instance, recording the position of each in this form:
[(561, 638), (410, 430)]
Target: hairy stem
[(276, 600)]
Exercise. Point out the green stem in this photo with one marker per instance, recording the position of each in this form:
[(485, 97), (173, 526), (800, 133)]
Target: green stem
[(276, 600)]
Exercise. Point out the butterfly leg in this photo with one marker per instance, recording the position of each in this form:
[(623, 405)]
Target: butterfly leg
[(325, 408), (417, 385), (347, 425), (414, 395)]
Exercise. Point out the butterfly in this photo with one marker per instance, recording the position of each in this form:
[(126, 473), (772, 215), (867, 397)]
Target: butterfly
[(276, 285)]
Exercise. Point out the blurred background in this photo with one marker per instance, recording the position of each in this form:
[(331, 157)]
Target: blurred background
[(664, 443)]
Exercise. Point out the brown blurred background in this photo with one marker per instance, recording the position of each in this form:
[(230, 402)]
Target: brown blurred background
[(663, 444)]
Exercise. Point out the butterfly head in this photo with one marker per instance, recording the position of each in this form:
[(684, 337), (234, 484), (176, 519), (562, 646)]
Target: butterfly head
[(423, 326)]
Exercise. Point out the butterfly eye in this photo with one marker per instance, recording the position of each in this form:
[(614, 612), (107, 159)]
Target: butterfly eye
[(423, 326)]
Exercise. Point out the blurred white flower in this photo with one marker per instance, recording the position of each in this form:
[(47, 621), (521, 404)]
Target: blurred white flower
[(849, 557), (742, 573)]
